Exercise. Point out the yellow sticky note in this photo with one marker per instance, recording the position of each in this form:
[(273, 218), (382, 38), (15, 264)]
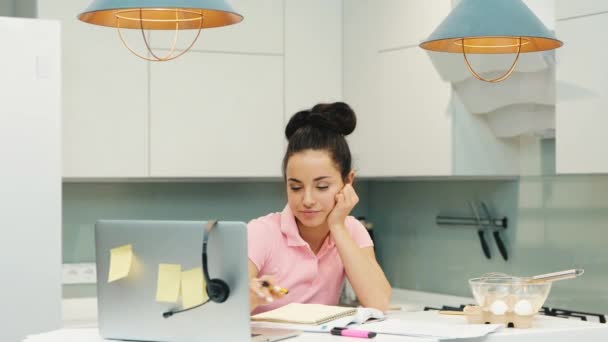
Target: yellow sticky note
[(168, 283), (193, 288), (121, 259)]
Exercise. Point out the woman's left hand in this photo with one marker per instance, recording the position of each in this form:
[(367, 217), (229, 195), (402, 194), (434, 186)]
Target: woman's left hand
[(346, 200)]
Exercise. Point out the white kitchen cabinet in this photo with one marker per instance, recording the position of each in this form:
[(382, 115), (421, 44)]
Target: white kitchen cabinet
[(111, 107), (218, 110), (582, 96), (410, 123), (105, 98), (313, 53), (217, 115), (223, 113), (571, 9), (30, 177), (413, 116)]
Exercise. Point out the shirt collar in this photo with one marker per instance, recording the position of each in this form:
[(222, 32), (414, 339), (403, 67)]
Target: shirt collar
[(289, 228)]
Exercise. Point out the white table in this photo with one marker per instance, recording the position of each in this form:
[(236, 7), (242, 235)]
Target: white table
[(83, 313), (545, 329)]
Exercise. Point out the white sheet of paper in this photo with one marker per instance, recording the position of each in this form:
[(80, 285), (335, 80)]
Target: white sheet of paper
[(418, 328)]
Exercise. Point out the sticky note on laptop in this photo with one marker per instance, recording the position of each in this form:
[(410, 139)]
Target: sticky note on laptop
[(168, 283), (121, 259), (193, 288)]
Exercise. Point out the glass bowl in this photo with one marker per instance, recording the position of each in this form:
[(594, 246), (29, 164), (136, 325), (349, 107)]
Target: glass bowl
[(501, 294)]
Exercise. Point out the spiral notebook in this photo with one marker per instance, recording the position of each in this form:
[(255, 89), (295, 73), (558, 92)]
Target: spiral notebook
[(312, 314)]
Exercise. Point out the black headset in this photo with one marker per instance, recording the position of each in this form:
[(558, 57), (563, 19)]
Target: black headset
[(218, 290)]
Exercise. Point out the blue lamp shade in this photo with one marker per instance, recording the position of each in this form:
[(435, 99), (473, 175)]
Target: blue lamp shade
[(491, 27), (160, 14)]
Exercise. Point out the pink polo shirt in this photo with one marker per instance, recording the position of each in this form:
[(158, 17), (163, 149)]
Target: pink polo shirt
[(277, 249)]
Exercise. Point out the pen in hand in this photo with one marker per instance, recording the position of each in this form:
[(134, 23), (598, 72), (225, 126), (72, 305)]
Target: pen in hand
[(274, 288)]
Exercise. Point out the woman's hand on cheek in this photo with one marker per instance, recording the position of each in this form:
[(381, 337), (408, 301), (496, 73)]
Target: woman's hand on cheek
[(346, 200)]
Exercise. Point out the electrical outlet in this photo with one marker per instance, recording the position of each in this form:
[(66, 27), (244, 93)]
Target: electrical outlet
[(81, 273)]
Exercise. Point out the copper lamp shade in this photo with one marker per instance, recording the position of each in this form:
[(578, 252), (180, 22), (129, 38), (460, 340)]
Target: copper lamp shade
[(491, 27), (174, 15)]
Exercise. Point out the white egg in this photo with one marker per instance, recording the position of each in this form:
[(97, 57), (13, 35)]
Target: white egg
[(499, 307), (523, 307)]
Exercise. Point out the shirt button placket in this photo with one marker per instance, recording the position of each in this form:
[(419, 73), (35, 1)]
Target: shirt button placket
[(314, 267)]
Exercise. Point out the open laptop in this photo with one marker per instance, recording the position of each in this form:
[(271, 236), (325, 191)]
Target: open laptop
[(127, 307)]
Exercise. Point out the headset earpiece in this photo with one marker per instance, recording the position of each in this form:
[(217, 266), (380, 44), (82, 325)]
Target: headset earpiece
[(218, 290)]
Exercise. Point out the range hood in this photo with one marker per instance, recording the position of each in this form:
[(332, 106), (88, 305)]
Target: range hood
[(524, 104)]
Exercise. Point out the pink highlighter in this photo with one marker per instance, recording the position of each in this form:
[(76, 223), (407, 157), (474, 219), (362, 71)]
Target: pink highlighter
[(352, 333)]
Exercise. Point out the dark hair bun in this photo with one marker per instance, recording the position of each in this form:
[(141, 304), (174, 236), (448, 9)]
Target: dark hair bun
[(337, 117)]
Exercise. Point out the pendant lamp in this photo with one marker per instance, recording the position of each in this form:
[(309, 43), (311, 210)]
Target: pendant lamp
[(160, 15), (491, 27)]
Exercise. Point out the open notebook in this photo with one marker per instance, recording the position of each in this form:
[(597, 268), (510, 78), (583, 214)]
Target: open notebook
[(312, 314)]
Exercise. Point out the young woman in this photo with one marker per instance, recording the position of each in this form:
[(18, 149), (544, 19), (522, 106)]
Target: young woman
[(312, 244)]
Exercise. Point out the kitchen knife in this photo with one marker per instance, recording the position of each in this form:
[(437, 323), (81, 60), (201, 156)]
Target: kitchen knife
[(501, 246), (480, 233), (499, 243)]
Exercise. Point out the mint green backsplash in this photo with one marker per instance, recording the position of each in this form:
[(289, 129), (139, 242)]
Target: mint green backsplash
[(85, 203), (556, 222)]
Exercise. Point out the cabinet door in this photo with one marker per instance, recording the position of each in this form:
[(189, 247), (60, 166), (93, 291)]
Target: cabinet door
[(582, 96), (217, 115), (404, 127), (105, 100), (413, 117), (313, 53), (360, 80)]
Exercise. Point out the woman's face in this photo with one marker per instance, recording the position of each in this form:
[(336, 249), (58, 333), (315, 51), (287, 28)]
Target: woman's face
[(312, 184)]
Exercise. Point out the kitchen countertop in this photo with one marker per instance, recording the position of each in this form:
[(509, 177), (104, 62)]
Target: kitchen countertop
[(545, 329), (82, 313)]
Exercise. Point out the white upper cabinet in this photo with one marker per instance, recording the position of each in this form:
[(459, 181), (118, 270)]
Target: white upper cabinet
[(577, 8), (222, 113), (313, 53), (105, 99), (410, 123), (412, 116), (582, 96), (217, 111), (360, 65), (220, 110), (217, 115)]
